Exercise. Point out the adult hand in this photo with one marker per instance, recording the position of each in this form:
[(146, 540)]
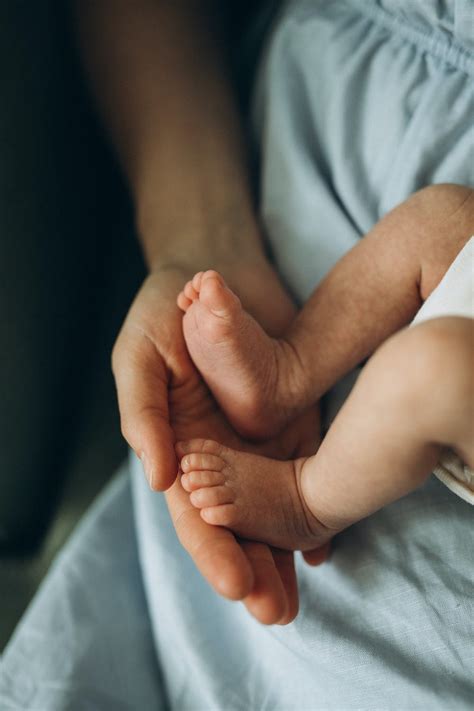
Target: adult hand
[(187, 170), (162, 399)]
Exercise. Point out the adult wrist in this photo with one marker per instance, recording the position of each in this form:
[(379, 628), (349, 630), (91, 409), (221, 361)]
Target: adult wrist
[(251, 276), (232, 246), (199, 237), (293, 372)]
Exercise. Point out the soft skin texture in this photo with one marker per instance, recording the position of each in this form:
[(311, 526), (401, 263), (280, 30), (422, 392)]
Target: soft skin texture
[(239, 362), (388, 435), (254, 496), (258, 574), (159, 69), (261, 383), (414, 397)]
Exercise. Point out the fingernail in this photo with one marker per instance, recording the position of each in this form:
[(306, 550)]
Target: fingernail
[(147, 468)]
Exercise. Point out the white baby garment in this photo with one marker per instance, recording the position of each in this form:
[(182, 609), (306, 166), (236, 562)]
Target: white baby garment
[(454, 296)]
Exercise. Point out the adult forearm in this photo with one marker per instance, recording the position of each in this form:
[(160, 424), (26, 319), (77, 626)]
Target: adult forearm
[(160, 74)]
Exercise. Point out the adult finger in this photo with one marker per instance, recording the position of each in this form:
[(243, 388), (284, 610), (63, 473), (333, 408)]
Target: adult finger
[(318, 555), (285, 564), (242, 570), (214, 549), (268, 601), (141, 379)]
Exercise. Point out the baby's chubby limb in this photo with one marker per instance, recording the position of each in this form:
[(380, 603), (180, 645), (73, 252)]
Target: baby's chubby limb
[(376, 289), (414, 397), (256, 497)]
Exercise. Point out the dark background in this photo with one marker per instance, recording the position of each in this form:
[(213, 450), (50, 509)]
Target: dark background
[(69, 267)]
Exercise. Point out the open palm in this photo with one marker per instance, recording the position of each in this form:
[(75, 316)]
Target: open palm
[(162, 400)]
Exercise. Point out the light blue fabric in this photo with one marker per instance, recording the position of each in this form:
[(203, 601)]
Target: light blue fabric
[(358, 104), (357, 109), (86, 642)]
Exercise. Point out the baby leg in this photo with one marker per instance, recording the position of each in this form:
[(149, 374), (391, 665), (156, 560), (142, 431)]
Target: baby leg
[(261, 383), (414, 397), (378, 287)]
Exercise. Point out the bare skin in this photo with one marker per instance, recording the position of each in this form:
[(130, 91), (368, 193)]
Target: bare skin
[(239, 362), (159, 69), (376, 289), (254, 496), (261, 382), (372, 455)]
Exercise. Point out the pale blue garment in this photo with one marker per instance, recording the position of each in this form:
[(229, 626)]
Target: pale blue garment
[(358, 104)]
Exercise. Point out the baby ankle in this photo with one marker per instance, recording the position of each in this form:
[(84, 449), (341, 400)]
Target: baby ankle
[(292, 381)]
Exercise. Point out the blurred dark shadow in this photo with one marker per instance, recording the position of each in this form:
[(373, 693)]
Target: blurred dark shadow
[(69, 265)]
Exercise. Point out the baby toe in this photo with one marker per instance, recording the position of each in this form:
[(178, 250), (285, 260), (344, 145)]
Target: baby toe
[(212, 496), (199, 445), (218, 298), (199, 479), (225, 515), (183, 302), (195, 461), (212, 274), (190, 292), (196, 282)]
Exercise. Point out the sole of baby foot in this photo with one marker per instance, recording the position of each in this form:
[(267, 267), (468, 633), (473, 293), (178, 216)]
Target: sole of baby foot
[(257, 498), (248, 372)]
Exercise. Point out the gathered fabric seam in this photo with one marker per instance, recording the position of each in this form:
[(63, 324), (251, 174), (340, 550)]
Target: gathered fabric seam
[(439, 45)]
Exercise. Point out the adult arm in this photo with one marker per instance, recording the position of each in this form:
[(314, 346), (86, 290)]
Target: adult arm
[(161, 78), (160, 75)]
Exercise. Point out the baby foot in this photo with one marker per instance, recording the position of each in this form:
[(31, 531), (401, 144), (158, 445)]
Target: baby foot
[(251, 375), (256, 497)]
